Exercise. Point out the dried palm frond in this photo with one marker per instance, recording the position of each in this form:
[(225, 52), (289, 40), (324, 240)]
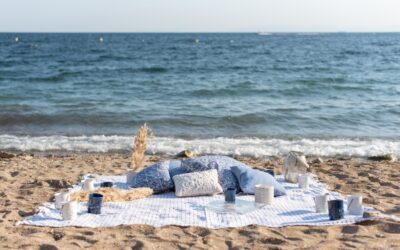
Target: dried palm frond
[(140, 146)]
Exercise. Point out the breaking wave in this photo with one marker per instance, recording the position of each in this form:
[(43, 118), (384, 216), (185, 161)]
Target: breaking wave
[(254, 147)]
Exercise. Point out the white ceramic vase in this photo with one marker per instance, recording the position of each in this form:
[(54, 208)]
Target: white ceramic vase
[(304, 181), (354, 205), (69, 210), (321, 203), (61, 198), (88, 184)]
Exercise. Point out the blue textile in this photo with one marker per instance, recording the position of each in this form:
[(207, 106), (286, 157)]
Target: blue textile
[(223, 165), (155, 177), (175, 168), (249, 177)]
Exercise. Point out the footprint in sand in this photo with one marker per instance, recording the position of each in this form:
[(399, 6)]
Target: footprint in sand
[(315, 231), (273, 241), (47, 247), (350, 229)]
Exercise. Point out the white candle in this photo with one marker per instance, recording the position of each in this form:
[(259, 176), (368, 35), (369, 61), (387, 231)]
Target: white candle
[(264, 194)]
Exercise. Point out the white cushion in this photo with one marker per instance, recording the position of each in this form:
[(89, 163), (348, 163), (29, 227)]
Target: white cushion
[(197, 183)]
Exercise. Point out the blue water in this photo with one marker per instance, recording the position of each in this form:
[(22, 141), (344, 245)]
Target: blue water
[(340, 85)]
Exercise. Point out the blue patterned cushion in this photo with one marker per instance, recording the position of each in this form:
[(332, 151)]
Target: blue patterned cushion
[(249, 177), (155, 177), (175, 168), (222, 163)]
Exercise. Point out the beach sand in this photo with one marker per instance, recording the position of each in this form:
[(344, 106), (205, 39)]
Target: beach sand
[(28, 181)]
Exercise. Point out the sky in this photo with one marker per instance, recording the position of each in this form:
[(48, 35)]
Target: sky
[(199, 15)]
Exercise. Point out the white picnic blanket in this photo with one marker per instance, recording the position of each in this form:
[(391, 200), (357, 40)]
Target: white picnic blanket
[(295, 208)]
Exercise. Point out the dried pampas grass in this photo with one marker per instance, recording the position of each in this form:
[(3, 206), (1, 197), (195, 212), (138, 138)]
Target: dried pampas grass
[(140, 146), (113, 194)]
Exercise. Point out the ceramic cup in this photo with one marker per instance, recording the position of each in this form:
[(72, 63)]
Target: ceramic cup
[(304, 181), (336, 209), (88, 184), (354, 205), (230, 195), (69, 210), (264, 194), (321, 203), (60, 198), (95, 203), (106, 184), (129, 176)]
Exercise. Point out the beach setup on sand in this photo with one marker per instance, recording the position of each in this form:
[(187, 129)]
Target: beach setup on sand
[(211, 191)]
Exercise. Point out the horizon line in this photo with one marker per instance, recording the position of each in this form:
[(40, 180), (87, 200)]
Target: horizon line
[(193, 32)]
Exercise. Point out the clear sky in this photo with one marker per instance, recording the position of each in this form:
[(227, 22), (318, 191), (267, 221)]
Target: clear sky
[(198, 15)]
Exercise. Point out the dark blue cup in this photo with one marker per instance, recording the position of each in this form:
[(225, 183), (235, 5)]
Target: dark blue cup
[(95, 202), (107, 184), (336, 209), (230, 195), (270, 171)]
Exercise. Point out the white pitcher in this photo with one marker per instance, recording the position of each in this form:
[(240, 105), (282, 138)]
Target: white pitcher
[(69, 210), (304, 181), (294, 164), (60, 198), (88, 184), (354, 205), (321, 203)]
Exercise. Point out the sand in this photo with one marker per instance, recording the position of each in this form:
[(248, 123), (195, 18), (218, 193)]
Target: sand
[(28, 181)]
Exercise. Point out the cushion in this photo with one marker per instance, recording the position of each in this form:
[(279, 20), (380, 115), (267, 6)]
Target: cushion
[(155, 177), (223, 165), (249, 177), (197, 183), (175, 168)]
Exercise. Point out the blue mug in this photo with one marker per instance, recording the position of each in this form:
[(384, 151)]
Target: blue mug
[(107, 184), (230, 195), (95, 203), (336, 209)]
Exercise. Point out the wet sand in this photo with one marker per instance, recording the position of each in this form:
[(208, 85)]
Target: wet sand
[(28, 181)]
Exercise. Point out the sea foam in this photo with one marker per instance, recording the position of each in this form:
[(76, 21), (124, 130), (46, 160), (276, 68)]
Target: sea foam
[(254, 147)]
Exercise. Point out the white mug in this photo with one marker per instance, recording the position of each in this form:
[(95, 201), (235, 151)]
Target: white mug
[(129, 176), (69, 210), (354, 204), (321, 203), (304, 181), (60, 198), (88, 184), (264, 194)]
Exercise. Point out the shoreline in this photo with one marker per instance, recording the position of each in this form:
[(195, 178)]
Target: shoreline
[(29, 181), (252, 147)]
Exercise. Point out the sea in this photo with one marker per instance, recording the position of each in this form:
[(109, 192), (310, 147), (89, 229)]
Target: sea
[(326, 94)]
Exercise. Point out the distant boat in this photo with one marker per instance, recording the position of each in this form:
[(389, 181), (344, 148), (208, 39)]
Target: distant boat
[(16, 39), (264, 33), (196, 40), (101, 39)]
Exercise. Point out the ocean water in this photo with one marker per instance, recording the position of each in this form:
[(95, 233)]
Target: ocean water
[(321, 93)]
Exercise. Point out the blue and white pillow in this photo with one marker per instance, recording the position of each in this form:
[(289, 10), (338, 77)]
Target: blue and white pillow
[(222, 164), (155, 177), (249, 178), (175, 168)]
